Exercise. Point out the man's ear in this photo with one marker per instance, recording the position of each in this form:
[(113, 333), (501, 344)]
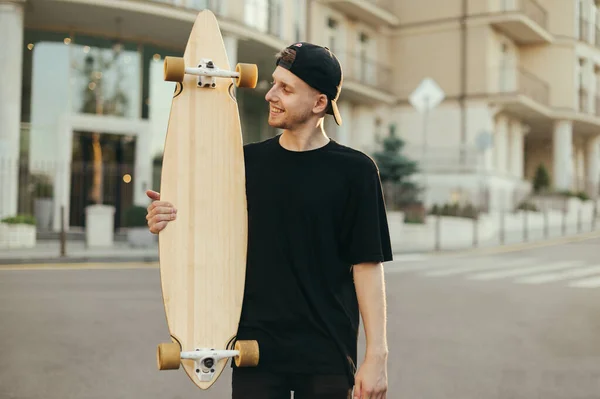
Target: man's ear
[(321, 104)]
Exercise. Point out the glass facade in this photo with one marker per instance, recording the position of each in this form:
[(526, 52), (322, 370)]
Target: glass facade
[(66, 74), (72, 74)]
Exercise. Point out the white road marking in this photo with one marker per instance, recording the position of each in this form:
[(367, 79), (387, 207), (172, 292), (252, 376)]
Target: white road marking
[(593, 282), (564, 275), (449, 271), (523, 271)]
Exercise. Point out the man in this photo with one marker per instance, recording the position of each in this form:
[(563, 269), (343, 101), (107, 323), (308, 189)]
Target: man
[(317, 238)]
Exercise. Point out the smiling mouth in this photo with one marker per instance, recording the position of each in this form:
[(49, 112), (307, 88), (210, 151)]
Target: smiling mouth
[(275, 110)]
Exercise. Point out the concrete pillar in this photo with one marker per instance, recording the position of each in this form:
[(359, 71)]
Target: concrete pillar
[(563, 155), (231, 47), (363, 126), (11, 67), (580, 167), (62, 177), (142, 177), (593, 166), (501, 145), (516, 149)]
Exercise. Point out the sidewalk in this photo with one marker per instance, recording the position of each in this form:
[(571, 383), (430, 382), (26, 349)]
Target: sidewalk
[(48, 251)]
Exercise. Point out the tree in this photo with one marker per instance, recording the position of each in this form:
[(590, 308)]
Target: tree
[(97, 100), (395, 169), (541, 181)]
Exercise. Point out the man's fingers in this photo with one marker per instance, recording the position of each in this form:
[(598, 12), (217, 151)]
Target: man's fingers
[(153, 194), (162, 217), (357, 389), (160, 204), (161, 210)]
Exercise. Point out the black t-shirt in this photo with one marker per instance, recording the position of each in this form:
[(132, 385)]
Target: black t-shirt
[(311, 216)]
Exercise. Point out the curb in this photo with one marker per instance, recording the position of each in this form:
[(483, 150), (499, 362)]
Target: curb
[(400, 255), (76, 259), (523, 246)]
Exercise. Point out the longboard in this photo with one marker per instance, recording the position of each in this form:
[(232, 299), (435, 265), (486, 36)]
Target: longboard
[(202, 254)]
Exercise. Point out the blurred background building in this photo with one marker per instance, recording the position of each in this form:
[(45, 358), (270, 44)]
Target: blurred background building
[(81, 82)]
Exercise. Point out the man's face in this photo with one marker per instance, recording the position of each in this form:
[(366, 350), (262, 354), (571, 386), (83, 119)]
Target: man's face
[(291, 100)]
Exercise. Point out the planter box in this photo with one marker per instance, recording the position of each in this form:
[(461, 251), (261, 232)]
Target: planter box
[(17, 235), (140, 237), (99, 226), (43, 209)]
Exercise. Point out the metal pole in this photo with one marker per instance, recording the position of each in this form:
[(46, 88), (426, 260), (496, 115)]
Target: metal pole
[(525, 225), (424, 151), (63, 235)]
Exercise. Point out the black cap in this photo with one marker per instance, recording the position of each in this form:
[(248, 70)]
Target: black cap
[(318, 67)]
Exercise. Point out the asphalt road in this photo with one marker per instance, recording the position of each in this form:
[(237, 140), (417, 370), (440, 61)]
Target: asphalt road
[(514, 325)]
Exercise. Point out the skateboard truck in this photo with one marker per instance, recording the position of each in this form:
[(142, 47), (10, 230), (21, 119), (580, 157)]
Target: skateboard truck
[(245, 75), (169, 357), (205, 359)]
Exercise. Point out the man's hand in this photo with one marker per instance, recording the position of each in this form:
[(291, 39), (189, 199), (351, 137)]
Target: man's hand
[(159, 212), (371, 378)]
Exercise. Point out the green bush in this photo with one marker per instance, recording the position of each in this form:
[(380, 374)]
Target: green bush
[(135, 216), (19, 219), (527, 206), (541, 181), (583, 196), (41, 185), (455, 209), (469, 211), (414, 213)]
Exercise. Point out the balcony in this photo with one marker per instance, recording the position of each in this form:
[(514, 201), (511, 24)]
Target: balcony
[(365, 80), (521, 93), (524, 21), (163, 23), (586, 112), (374, 12)]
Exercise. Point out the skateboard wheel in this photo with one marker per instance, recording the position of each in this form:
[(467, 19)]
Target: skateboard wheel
[(174, 69), (168, 356), (248, 75), (249, 353)]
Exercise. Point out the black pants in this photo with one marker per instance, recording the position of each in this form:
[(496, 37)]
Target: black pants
[(250, 383)]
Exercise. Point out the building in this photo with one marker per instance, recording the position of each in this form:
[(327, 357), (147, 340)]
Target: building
[(85, 84), (83, 80), (521, 85), (360, 34)]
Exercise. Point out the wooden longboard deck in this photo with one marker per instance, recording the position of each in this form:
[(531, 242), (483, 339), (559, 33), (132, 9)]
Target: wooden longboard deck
[(203, 252)]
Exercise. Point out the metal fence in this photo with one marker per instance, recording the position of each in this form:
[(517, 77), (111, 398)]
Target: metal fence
[(465, 216), (365, 70), (470, 217), (88, 183)]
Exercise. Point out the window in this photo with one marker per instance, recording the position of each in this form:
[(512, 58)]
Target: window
[(332, 33)]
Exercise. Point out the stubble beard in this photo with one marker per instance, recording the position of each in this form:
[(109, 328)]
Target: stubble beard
[(290, 121)]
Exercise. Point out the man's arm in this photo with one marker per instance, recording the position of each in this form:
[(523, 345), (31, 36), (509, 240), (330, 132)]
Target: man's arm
[(370, 291), (371, 379)]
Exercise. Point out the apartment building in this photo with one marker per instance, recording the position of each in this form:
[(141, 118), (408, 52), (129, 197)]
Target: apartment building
[(55, 120), (58, 53), (521, 80), (359, 33)]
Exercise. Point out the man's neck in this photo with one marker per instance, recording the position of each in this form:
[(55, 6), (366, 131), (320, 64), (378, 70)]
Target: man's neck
[(304, 139)]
